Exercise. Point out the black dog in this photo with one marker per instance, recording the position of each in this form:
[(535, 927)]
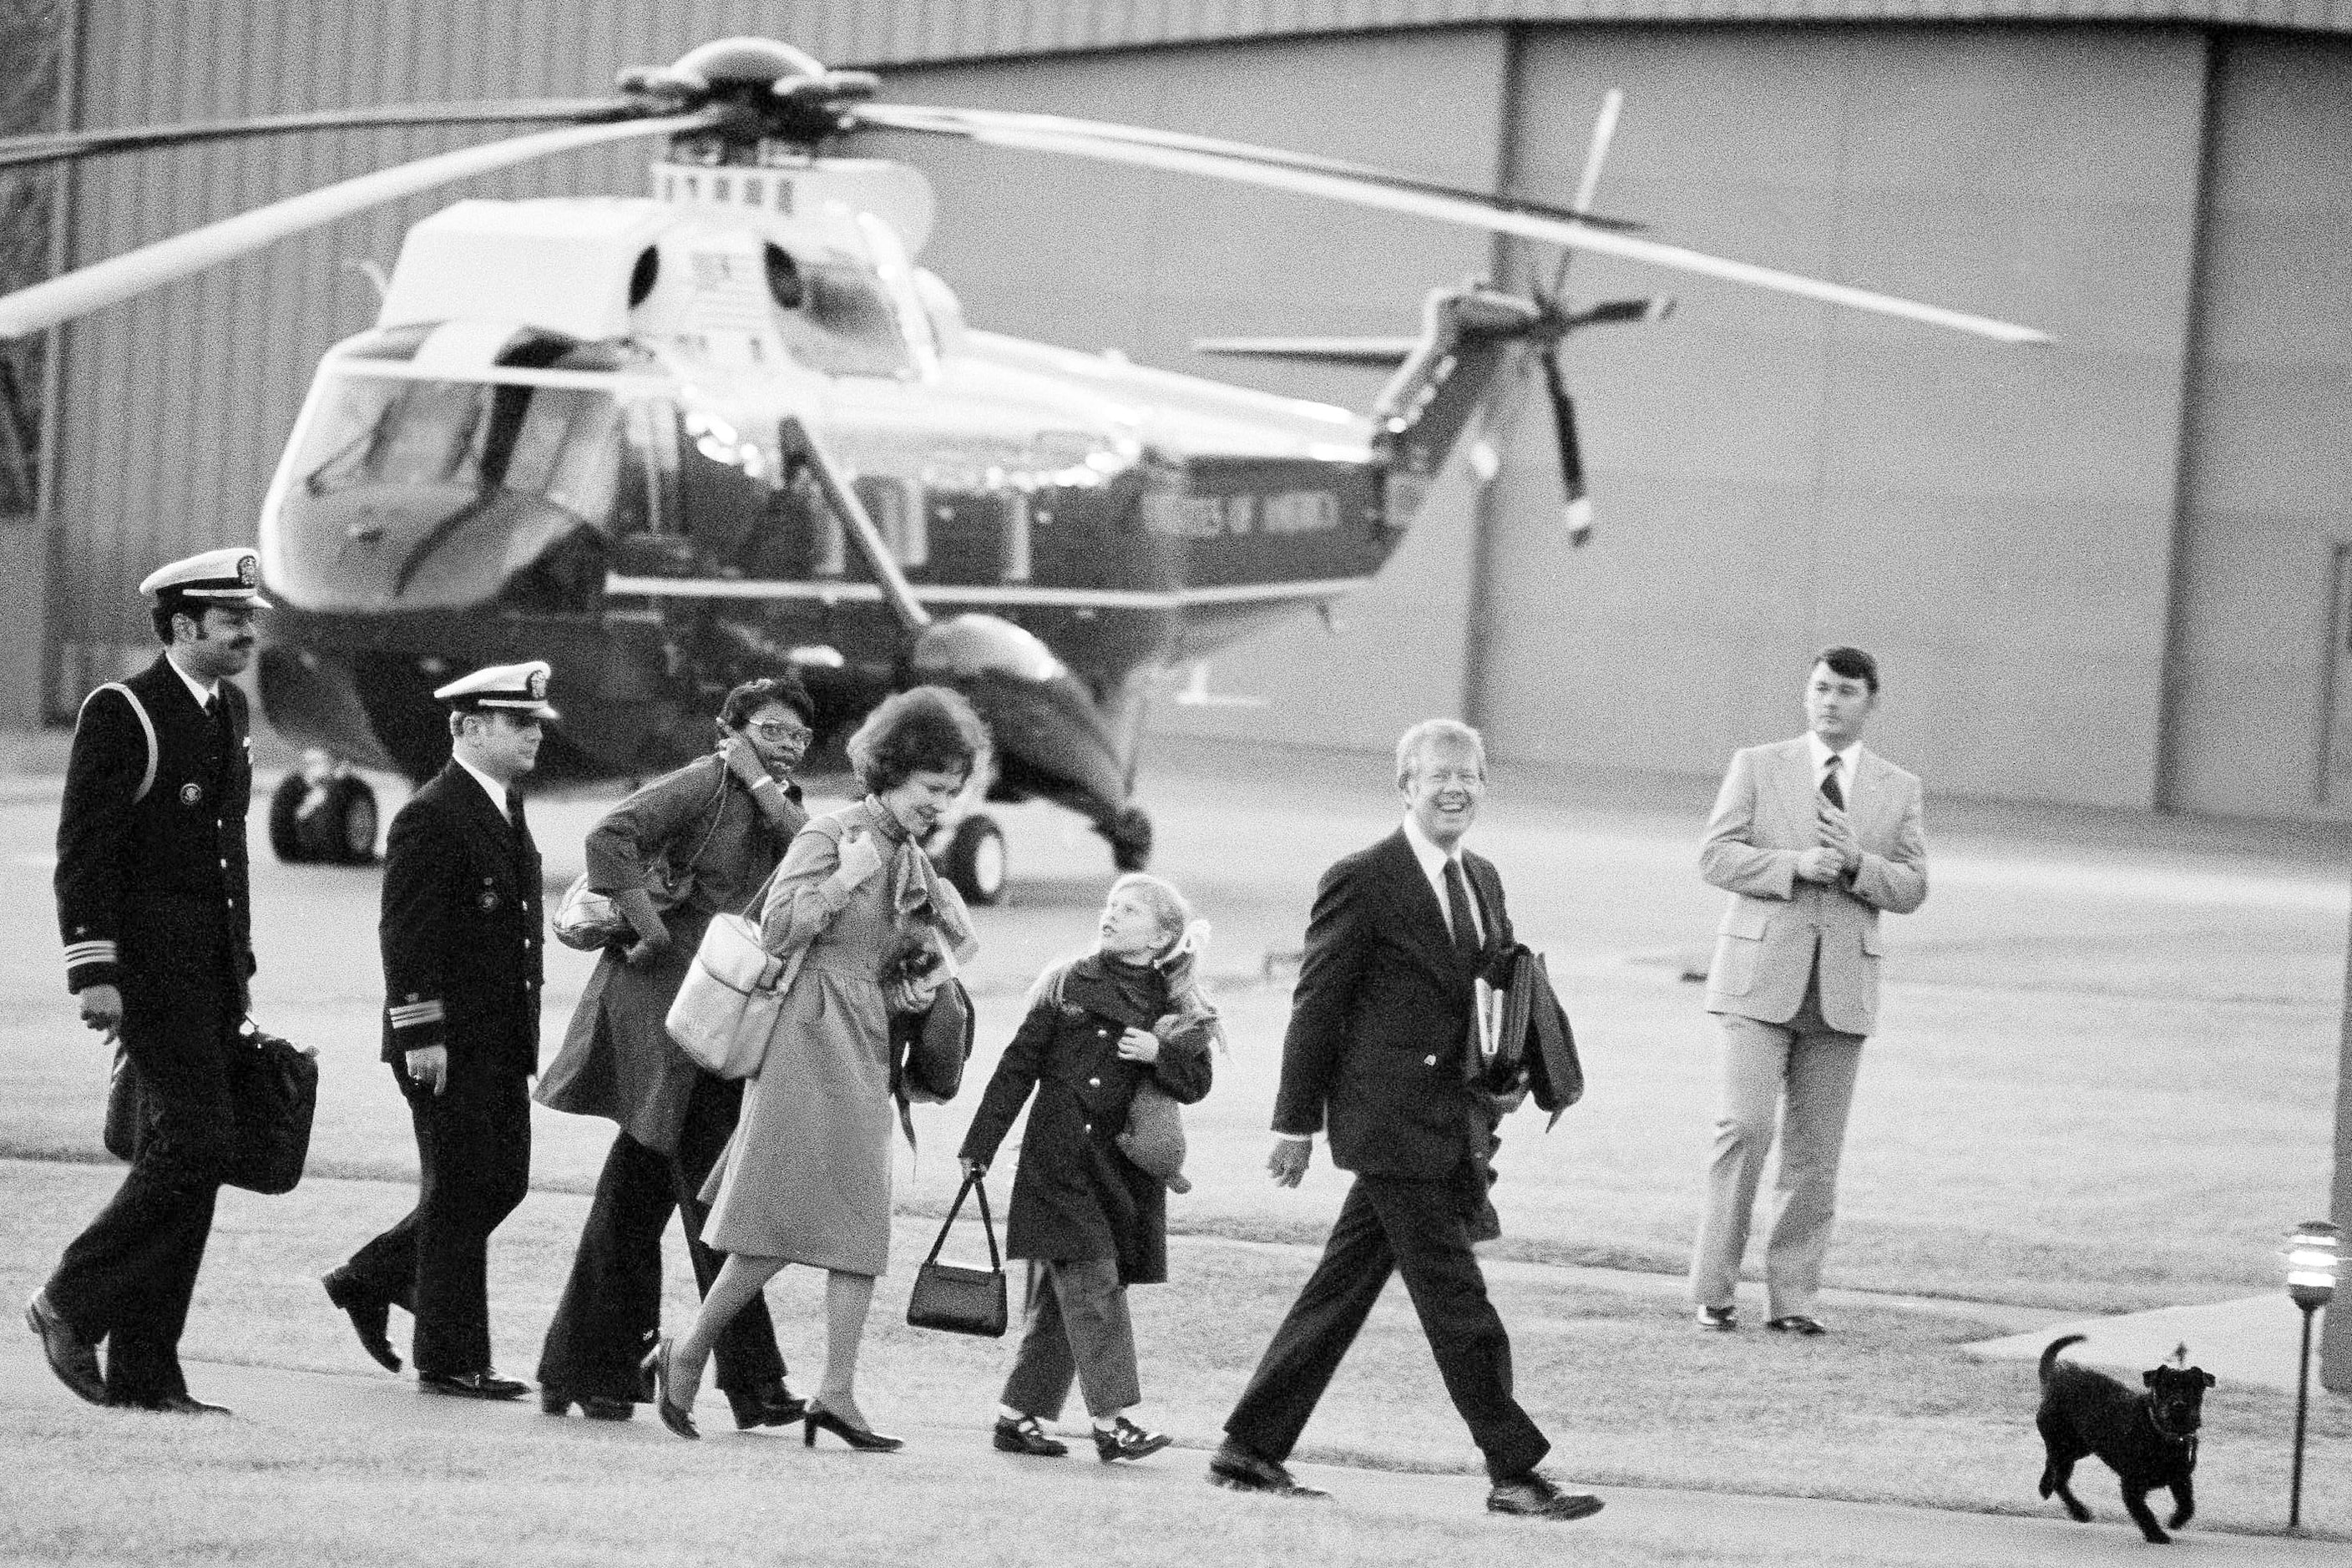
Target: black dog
[(2148, 1439)]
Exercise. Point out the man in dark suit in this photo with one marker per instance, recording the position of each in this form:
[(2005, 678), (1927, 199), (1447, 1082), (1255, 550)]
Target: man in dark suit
[(462, 947), (151, 888), (1380, 1029)]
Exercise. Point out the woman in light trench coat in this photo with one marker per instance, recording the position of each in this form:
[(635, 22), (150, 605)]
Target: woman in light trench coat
[(807, 1179)]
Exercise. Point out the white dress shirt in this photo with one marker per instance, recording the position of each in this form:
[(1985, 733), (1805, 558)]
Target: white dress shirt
[(1820, 750), (1433, 865)]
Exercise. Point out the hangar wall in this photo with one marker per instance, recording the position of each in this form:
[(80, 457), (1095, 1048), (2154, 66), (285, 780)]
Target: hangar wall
[(1995, 525), (2260, 726)]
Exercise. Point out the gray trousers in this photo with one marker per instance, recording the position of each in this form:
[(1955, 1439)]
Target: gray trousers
[(1073, 1327), (1800, 1073)]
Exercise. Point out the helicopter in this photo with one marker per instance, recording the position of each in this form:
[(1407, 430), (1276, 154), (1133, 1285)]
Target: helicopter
[(668, 443)]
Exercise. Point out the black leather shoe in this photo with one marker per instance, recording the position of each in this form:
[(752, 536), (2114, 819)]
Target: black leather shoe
[(556, 1401), (369, 1318), (1025, 1437), (1797, 1323), (483, 1384), (1533, 1496), (678, 1418), (71, 1357), (769, 1403), (171, 1405), (1236, 1469), (1126, 1440), (865, 1439), (1722, 1320)]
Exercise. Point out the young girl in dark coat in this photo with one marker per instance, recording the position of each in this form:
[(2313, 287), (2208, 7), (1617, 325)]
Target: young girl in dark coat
[(1088, 1220)]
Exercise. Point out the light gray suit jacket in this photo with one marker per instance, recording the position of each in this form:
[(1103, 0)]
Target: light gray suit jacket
[(1776, 923)]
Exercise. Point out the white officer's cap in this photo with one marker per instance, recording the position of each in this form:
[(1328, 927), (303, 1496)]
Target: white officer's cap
[(509, 688), (218, 579)]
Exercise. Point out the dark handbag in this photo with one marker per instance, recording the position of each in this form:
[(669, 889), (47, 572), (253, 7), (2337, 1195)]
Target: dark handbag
[(273, 1094), (954, 1298)]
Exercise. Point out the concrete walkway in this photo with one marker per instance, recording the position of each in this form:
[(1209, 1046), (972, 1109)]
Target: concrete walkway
[(2247, 1343), (1670, 1525)]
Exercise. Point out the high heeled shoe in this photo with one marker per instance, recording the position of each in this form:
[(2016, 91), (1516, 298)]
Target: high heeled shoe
[(863, 1438), (678, 1418)]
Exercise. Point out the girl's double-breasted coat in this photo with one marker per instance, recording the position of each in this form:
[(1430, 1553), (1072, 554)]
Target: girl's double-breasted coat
[(1075, 1195)]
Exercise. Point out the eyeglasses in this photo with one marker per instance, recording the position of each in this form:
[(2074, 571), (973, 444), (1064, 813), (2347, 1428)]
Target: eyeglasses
[(780, 730)]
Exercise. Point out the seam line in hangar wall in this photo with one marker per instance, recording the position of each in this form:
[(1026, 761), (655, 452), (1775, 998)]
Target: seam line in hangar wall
[(2172, 677), (1477, 641), (65, 200)]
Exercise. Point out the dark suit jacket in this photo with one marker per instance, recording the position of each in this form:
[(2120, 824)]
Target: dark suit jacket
[(1380, 1018), (151, 890), (461, 930)]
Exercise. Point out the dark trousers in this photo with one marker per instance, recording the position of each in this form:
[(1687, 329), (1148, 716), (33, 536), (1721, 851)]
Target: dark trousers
[(1422, 1230), (1076, 1329), (610, 1316), (128, 1278), (473, 1151)]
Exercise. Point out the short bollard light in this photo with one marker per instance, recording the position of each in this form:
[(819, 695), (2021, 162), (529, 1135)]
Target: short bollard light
[(2314, 1258)]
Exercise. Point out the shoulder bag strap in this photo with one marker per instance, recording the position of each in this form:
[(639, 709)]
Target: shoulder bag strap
[(971, 1184), (137, 709), (718, 810)]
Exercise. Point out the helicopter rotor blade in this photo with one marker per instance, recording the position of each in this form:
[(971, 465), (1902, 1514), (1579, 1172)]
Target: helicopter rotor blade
[(135, 271), (926, 120), (1576, 512), (1588, 183), (1496, 214), (24, 152)]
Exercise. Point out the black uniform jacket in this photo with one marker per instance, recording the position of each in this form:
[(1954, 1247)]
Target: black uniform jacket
[(1075, 1195), (460, 928), (151, 890), (1381, 1020)]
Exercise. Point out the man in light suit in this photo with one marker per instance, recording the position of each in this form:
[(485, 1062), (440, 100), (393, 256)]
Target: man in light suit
[(1812, 837), (1376, 1056)]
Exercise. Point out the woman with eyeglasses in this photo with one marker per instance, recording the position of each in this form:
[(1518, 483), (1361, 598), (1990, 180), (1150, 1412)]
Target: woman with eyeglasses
[(685, 847)]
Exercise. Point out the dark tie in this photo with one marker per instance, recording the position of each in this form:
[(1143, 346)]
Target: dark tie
[(1830, 790), (217, 715), (1457, 910), (514, 815)]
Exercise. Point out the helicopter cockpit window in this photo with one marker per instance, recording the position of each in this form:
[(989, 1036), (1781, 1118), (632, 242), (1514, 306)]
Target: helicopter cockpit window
[(841, 324), (559, 443)]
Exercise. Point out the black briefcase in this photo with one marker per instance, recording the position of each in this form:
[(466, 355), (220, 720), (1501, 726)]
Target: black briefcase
[(952, 1298), (274, 1090)]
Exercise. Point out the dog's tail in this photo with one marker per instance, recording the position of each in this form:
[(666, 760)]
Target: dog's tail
[(2050, 1353)]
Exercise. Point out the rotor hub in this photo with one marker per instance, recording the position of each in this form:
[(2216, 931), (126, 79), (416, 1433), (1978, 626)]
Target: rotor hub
[(767, 92)]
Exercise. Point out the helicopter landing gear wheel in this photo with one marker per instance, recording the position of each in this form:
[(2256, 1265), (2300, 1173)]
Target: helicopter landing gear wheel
[(973, 860), (331, 822), (285, 819), (350, 825), (1130, 839)]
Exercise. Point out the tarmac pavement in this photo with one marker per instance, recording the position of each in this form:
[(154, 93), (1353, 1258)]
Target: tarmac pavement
[(1679, 1525)]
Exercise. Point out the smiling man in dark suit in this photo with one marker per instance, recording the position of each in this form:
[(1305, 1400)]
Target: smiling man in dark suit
[(462, 953), (1380, 1026)]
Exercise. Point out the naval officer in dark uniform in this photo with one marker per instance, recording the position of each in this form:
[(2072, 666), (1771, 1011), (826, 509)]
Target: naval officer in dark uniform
[(150, 888), (462, 947)]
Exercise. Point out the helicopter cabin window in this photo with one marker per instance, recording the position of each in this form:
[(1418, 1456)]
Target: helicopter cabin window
[(527, 483), (835, 316)]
